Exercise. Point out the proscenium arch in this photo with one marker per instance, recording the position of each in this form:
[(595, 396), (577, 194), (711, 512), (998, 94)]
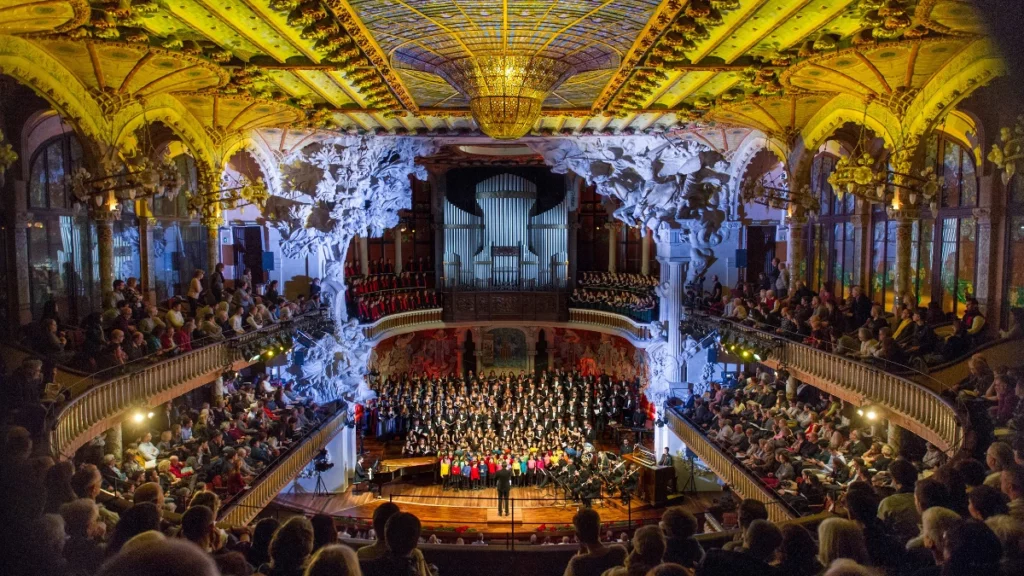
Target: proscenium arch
[(33, 67)]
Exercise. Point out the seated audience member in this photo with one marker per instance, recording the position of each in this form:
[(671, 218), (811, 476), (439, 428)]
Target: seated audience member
[(839, 538), (761, 543), (140, 518), (334, 560), (986, 502), (799, 555), (1012, 485), (594, 557), (680, 545), (198, 527), (163, 559), (899, 511), (401, 536), (648, 550), (289, 548), (83, 550)]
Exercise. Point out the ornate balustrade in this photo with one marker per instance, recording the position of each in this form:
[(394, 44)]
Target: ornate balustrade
[(596, 319), (244, 507), (91, 411), (402, 323), (728, 469), (907, 403)]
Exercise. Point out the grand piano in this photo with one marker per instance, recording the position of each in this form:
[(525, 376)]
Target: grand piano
[(388, 471)]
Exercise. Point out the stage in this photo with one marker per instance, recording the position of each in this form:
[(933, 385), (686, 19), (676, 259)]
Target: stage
[(533, 507)]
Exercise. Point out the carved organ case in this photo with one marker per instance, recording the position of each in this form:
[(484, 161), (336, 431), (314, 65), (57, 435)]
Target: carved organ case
[(506, 243)]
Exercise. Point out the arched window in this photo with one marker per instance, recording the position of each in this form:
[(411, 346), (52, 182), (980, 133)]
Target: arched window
[(60, 241), (179, 241), (832, 242), (955, 228)]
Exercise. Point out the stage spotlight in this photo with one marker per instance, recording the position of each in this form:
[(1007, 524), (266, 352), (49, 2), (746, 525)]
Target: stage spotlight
[(270, 353), (871, 415), (138, 417), (860, 411), (746, 353), (757, 356), (149, 415)]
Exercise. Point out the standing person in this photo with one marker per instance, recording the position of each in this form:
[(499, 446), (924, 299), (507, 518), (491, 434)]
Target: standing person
[(503, 480), (217, 282), (195, 289)]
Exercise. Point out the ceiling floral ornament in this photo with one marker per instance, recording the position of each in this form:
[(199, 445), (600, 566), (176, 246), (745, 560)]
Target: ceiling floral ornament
[(1009, 151)]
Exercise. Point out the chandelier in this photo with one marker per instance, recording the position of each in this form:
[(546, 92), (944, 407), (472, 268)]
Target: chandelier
[(236, 192), (505, 89), (892, 183), (139, 177)]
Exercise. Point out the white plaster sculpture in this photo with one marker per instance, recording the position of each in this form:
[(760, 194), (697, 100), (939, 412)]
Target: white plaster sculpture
[(660, 183), (331, 192)]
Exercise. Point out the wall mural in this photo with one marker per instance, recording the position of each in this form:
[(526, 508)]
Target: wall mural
[(503, 349), (593, 352), (432, 351)]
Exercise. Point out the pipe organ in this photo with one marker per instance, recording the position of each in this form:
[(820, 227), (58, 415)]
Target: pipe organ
[(504, 243)]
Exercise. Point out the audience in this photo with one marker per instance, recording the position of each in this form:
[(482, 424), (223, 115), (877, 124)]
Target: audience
[(594, 557), (631, 295)]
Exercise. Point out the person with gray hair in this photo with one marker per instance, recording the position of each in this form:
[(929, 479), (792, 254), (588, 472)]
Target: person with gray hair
[(648, 549), (839, 538), (83, 549)]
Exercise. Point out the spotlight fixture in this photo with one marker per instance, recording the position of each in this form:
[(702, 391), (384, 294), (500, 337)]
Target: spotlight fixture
[(138, 417)]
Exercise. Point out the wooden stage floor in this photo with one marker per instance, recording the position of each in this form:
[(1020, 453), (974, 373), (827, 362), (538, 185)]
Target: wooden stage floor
[(478, 508)]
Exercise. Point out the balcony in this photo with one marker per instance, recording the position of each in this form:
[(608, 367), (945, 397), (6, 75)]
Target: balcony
[(908, 404), (96, 406), (728, 469), (244, 507), (610, 323), (403, 323)]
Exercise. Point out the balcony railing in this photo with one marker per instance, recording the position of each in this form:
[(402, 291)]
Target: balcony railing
[(610, 321), (91, 411), (403, 322), (244, 507), (912, 405), (725, 467)]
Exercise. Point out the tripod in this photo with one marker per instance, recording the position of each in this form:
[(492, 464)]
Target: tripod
[(691, 482), (321, 488)]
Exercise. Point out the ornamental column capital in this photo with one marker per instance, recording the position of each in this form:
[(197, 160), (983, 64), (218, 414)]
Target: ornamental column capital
[(904, 214)]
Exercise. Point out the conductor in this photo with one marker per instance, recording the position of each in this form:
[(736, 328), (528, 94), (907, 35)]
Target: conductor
[(503, 480)]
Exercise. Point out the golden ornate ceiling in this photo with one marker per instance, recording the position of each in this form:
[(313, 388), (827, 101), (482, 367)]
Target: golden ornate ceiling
[(639, 65)]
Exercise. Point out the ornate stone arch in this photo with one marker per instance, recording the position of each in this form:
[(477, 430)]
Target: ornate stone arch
[(969, 70), (262, 154), (169, 111), (34, 68)]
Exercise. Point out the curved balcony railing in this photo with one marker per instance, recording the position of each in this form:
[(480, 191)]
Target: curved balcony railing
[(913, 406), (402, 322), (244, 507), (610, 321), (92, 410), (725, 467)]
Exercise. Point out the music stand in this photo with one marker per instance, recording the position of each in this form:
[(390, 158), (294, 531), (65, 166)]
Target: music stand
[(691, 484)]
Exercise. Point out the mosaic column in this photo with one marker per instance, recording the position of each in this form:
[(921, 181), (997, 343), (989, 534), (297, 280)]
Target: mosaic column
[(795, 258), (147, 267), (902, 283), (212, 246), (104, 220), (983, 284)]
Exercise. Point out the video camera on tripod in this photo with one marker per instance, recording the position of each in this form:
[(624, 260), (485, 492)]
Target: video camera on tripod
[(321, 462)]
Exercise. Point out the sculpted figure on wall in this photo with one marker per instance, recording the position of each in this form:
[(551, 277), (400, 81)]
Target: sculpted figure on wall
[(330, 193), (659, 183)]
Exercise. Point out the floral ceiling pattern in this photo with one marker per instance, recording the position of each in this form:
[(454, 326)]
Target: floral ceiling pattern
[(704, 69)]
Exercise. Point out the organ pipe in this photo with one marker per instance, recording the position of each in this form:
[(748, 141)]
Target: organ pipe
[(505, 244)]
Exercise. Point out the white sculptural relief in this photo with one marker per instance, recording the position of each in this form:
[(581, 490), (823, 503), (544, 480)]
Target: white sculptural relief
[(330, 193), (660, 183)]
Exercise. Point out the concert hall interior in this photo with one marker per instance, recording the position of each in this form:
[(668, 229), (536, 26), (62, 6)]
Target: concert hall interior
[(453, 288)]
